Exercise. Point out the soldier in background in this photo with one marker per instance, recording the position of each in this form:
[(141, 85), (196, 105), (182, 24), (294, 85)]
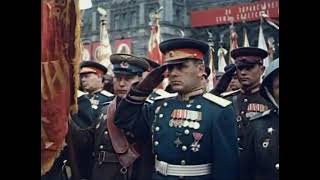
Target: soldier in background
[(92, 79), (117, 153), (261, 160), (248, 102)]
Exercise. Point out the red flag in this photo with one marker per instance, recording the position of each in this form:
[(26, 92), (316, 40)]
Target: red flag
[(60, 58), (154, 52)]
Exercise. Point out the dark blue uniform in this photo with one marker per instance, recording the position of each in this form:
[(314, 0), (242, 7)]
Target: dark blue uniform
[(262, 153), (193, 133), (186, 144), (84, 117), (99, 102), (247, 105), (261, 157), (247, 102)]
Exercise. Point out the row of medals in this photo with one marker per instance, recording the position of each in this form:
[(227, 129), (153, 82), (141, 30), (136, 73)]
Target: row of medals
[(185, 118)]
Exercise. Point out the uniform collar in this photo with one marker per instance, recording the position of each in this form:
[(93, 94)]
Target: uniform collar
[(252, 90), (95, 92), (186, 96)]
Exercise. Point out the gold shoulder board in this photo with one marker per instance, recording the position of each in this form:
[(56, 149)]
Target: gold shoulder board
[(216, 99), (106, 93)]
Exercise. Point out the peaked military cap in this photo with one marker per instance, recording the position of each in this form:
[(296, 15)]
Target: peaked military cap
[(128, 64), (92, 67), (177, 50), (152, 63), (248, 55)]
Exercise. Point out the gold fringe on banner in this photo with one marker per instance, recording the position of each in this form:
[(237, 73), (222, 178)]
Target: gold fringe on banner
[(76, 59)]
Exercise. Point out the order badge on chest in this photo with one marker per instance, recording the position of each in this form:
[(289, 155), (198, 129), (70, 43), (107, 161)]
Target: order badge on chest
[(183, 118)]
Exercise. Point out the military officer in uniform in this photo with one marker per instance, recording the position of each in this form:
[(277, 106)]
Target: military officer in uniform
[(193, 133), (262, 154), (92, 79), (247, 102), (117, 154)]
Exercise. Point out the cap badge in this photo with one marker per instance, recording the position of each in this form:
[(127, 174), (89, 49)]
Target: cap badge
[(171, 53), (124, 65)]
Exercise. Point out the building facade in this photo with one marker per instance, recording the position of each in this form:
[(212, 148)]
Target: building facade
[(129, 21)]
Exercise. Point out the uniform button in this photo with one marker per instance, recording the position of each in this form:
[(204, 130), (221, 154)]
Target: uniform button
[(188, 105), (239, 118), (238, 139), (186, 131), (198, 106), (157, 128), (242, 112), (156, 143), (183, 162), (270, 130), (277, 166), (184, 148), (165, 104), (106, 132), (160, 115), (101, 147), (245, 100)]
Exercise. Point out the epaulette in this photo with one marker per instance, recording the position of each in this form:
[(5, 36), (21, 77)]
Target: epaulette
[(149, 100), (106, 93), (80, 93), (164, 94), (265, 113), (216, 99), (224, 94)]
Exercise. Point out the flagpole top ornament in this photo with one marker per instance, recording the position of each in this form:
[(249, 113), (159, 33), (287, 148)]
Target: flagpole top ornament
[(155, 16)]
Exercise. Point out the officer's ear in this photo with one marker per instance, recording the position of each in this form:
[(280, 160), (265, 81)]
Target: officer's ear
[(262, 68), (202, 70)]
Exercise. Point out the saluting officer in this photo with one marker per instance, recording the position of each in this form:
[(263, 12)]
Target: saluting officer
[(194, 133)]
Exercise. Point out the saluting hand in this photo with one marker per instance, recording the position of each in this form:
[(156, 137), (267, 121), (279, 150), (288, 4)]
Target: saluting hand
[(152, 80)]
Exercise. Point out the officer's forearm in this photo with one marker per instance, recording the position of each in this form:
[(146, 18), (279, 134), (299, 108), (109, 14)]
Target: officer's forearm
[(130, 116)]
